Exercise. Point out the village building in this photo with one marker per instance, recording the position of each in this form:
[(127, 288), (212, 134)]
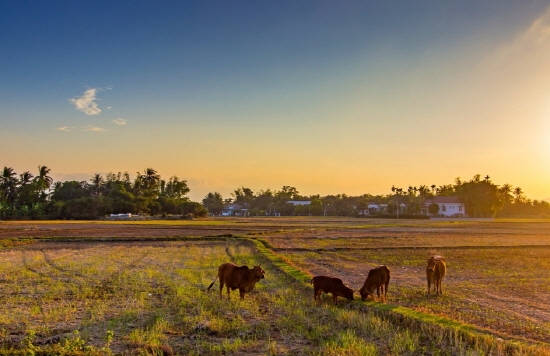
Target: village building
[(234, 209), (299, 202), (448, 207)]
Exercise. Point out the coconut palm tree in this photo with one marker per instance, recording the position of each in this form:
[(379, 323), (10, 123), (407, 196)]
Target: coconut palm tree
[(506, 192), (27, 191), (26, 178), (43, 182), (8, 185), (518, 192), (98, 182), (151, 178)]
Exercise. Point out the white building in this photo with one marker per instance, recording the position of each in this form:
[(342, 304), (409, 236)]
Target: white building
[(448, 207), (299, 202)]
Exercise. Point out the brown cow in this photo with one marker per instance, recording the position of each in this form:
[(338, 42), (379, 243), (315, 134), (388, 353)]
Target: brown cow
[(378, 278), (435, 272), (335, 286), (234, 277)]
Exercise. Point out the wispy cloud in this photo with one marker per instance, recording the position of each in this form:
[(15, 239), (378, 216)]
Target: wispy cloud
[(86, 103), (537, 35), (65, 128), (120, 122), (93, 128)]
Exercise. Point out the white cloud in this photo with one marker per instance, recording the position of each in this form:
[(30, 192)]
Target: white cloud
[(536, 36), (120, 122), (64, 128), (93, 128), (86, 103)]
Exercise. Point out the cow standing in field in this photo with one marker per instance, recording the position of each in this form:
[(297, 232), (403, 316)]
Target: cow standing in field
[(435, 272), (234, 277), (332, 285), (378, 278)]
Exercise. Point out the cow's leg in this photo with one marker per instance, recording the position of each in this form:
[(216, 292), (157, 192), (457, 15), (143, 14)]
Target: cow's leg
[(241, 293), (221, 287), (228, 292), (378, 292), (335, 299)]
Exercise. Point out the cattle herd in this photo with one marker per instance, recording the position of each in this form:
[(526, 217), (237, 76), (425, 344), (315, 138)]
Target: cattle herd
[(244, 279)]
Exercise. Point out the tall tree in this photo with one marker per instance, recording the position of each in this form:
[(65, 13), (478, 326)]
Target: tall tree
[(8, 185), (43, 182), (213, 202), (27, 191), (243, 195), (97, 184), (175, 188), (518, 193)]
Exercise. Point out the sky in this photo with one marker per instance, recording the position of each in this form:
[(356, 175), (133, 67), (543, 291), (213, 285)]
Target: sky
[(329, 97)]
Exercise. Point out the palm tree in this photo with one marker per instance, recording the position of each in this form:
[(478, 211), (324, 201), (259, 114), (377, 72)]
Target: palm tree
[(43, 180), (151, 178), (7, 174), (26, 178), (518, 193), (98, 182), (27, 190), (147, 184), (506, 191), (8, 185)]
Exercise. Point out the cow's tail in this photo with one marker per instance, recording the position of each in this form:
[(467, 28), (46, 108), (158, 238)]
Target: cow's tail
[(211, 284)]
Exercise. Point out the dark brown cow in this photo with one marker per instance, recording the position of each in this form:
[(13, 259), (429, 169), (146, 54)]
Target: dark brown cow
[(332, 285), (378, 278), (435, 271), (234, 277)]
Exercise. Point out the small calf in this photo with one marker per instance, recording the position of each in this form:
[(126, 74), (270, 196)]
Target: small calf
[(378, 278), (332, 285), (435, 271)]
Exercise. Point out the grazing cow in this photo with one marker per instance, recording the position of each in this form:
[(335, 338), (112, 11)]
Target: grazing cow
[(234, 277), (435, 272), (335, 286), (378, 278)]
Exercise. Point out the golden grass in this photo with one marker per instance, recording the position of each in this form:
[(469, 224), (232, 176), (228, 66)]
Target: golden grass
[(141, 298)]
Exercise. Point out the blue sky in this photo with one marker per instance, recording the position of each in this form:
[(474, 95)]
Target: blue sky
[(330, 97)]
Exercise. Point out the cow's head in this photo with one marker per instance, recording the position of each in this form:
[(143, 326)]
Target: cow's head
[(258, 272), (365, 293), (431, 264)]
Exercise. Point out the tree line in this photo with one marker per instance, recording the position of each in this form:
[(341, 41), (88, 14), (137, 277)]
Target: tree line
[(26, 196), (29, 196), (481, 197)]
